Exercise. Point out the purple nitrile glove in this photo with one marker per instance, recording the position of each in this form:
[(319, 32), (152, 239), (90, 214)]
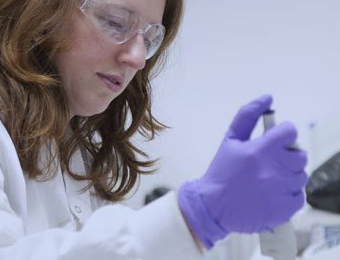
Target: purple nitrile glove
[(251, 185)]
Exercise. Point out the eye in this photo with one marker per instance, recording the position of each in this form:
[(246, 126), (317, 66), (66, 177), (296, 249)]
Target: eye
[(111, 23), (148, 44)]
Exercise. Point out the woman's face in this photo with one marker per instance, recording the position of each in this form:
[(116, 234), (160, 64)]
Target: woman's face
[(95, 70)]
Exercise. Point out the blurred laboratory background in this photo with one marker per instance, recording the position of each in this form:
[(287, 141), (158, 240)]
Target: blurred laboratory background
[(228, 53)]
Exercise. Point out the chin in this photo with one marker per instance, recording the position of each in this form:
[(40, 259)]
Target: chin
[(89, 112)]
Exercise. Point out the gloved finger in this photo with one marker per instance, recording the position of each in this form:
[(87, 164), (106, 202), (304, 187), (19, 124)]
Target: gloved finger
[(246, 118), (293, 160), (294, 184), (298, 200), (282, 135), (289, 205)]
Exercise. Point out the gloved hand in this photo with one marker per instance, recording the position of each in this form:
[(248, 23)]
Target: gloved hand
[(251, 185)]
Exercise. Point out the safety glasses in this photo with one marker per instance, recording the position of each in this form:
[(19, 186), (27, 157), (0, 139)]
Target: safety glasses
[(119, 24)]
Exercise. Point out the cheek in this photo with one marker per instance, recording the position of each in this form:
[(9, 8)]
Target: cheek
[(86, 51), (87, 54), (84, 58), (77, 69)]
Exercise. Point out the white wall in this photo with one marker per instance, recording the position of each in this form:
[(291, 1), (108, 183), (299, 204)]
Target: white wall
[(230, 52)]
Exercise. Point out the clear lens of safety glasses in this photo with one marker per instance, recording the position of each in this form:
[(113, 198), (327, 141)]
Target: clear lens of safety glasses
[(153, 38), (121, 24)]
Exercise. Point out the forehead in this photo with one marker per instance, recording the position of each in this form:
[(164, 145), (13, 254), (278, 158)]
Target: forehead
[(150, 10)]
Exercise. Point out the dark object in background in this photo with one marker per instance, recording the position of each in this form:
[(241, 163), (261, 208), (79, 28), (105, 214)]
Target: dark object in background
[(323, 187), (155, 194)]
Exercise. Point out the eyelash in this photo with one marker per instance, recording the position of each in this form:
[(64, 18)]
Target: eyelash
[(111, 24)]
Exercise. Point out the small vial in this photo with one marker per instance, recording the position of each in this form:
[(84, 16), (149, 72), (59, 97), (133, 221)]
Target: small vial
[(280, 244)]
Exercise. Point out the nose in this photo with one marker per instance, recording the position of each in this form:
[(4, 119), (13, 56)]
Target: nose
[(133, 52)]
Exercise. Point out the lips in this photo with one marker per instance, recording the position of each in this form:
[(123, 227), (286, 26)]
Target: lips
[(113, 78), (113, 82)]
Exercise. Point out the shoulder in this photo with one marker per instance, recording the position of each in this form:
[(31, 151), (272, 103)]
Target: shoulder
[(10, 166), (7, 148), (12, 181), (9, 160)]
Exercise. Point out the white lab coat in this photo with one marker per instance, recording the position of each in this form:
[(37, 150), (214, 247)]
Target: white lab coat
[(52, 220)]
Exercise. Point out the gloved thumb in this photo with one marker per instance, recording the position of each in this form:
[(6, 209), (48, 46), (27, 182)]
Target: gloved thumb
[(246, 118)]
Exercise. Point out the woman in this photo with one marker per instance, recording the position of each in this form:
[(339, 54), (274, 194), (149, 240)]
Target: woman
[(74, 88)]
